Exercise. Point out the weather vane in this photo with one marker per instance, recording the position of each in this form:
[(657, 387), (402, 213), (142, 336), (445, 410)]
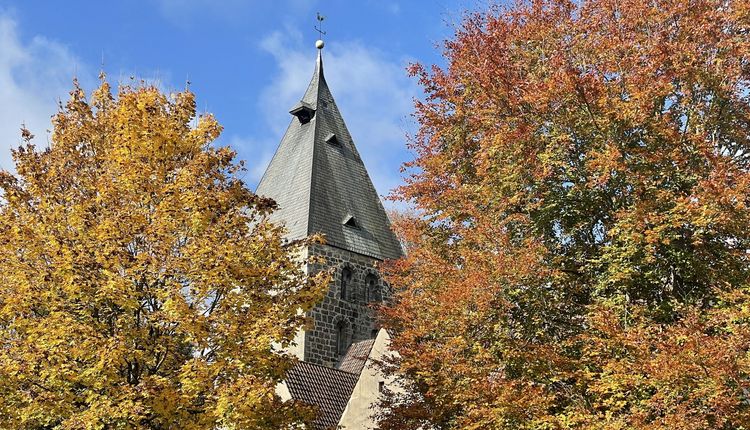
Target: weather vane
[(319, 29)]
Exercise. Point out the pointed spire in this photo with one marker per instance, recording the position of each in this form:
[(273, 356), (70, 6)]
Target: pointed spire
[(319, 64), (322, 187), (312, 94)]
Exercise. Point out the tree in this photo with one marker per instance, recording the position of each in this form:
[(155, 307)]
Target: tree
[(141, 284), (581, 255)]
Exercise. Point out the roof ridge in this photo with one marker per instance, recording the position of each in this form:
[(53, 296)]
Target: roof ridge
[(317, 76), (372, 341), (327, 367)]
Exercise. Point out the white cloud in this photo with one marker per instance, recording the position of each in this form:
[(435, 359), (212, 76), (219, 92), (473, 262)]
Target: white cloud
[(372, 91), (34, 75)]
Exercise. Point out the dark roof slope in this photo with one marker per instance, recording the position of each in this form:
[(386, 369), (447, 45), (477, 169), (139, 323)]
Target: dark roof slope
[(320, 182), (356, 357), (327, 388)]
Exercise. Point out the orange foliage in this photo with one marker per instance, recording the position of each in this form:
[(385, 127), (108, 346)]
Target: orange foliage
[(581, 255)]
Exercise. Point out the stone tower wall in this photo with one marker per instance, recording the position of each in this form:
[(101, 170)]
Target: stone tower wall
[(355, 313)]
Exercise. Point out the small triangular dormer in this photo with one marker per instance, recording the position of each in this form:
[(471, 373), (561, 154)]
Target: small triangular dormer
[(333, 140), (303, 111), (350, 221)]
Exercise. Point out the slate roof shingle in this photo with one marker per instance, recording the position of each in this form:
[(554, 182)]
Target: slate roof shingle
[(317, 184)]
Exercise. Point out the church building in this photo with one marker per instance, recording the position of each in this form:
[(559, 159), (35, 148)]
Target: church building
[(320, 183)]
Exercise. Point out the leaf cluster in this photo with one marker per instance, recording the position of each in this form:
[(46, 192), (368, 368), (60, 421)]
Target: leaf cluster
[(581, 255), (141, 284)]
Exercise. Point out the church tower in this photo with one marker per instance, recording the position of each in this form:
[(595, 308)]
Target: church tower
[(321, 186)]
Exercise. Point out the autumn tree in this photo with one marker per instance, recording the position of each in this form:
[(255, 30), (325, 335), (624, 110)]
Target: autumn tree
[(141, 285), (580, 258)]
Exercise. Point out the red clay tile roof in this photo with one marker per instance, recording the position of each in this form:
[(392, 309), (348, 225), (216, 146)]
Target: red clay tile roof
[(356, 357), (325, 387)]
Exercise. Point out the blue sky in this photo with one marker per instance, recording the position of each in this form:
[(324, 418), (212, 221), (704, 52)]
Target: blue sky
[(248, 62)]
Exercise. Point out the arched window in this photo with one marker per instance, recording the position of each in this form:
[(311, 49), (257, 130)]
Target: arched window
[(373, 289), (342, 339), (346, 281)]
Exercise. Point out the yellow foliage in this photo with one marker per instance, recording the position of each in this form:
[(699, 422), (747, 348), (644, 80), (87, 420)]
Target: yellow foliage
[(141, 285)]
